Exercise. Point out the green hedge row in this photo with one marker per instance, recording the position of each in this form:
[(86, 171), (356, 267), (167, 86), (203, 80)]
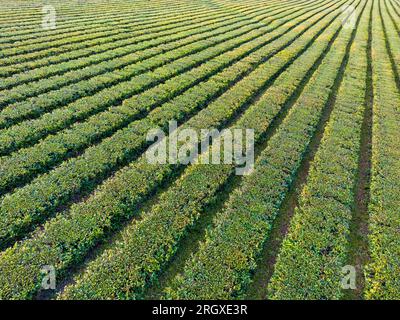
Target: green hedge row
[(25, 28), (222, 267), (106, 58), (383, 281), (69, 237), (98, 24), (36, 51), (12, 65), (94, 52), (129, 55), (25, 207), (128, 266), (396, 7), (26, 162), (315, 249), (125, 85), (25, 62), (18, 55), (392, 34)]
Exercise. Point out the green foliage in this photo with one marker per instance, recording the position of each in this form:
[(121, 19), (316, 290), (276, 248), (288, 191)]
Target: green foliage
[(71, 236), (383, 281), (24, 208), (221, 269), (76, 105), (314, 252)]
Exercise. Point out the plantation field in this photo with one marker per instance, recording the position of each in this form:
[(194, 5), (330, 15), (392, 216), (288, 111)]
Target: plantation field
[(83, 82)]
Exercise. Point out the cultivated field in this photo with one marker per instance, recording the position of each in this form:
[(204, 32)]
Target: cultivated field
[(85, 215)]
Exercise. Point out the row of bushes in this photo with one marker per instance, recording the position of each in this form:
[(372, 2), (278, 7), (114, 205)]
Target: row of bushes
[(111, 42), (222, 267), (15, 64), (396, 7), (36, 106), (382, 273), (23, 23), (392, 34), (128, 55), (127, 48), (24, 163), (69, 237), (117, 86), (315, 250), (17, 55), (100, 23), (25, 207), (127, 268), (104, 14)]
